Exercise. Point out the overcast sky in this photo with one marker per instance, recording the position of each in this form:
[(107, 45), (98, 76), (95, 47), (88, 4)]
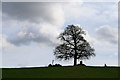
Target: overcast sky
[(30, 30)]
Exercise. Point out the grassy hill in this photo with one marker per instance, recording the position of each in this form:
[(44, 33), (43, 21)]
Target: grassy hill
[(61, 72)]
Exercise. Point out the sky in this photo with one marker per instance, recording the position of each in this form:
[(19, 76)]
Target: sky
[(30, 30)]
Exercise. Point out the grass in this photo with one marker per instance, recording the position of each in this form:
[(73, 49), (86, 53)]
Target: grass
[(61, 72)]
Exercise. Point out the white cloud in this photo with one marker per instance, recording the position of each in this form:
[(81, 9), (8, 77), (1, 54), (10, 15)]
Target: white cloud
[(91, 13), (42, 35)]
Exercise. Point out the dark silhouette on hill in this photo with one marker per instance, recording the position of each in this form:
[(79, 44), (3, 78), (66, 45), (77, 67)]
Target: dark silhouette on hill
[(56, 65), (81, 64), (73, 45)]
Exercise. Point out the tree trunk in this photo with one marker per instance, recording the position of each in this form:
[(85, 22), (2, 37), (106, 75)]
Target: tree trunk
[(75, 58), (75, 61)]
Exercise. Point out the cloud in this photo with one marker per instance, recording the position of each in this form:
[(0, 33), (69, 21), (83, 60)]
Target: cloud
[(47, 19), (83, 13), (25, 37), (39, 22), (34, 12), (107, 34), (5, 45), (31, 34)]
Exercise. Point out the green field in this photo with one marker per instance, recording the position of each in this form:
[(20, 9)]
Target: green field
[(61, 72)]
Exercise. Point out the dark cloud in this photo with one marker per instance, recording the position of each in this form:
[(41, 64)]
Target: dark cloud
[(107, 34), (31, 11), (28, 36)]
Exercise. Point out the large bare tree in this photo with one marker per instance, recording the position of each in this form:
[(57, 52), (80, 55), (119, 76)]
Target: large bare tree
[(73, 45)]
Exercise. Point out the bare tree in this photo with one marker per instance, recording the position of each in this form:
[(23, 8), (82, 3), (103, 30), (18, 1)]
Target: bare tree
[(73, 45)]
